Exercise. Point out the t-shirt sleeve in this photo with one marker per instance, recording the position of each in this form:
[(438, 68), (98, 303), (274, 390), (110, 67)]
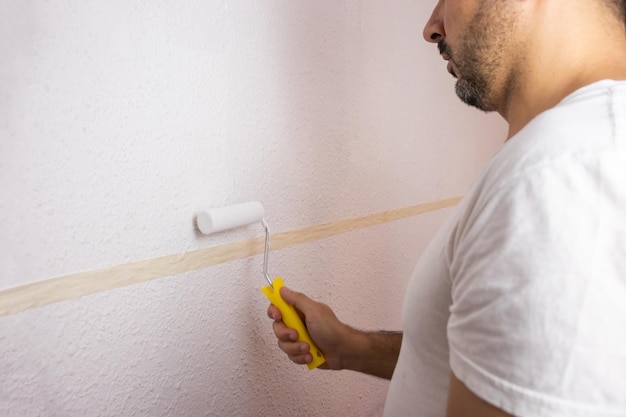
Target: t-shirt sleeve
[(538, 317)]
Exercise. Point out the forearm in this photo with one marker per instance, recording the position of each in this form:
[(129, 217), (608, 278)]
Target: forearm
[(373, 353)]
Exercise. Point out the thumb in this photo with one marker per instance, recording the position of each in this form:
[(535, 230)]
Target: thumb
[(298, 300)]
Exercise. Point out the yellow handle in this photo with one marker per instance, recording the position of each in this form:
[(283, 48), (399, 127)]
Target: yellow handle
[(293, 321)]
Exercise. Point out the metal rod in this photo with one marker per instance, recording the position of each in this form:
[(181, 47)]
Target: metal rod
[(266, 252)]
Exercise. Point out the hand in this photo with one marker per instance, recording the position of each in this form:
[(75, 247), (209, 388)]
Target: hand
[(325, 329)]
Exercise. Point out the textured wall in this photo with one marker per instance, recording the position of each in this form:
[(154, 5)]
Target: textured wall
[(120, 119)]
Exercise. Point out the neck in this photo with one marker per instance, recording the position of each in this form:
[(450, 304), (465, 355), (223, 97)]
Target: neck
[(564, 57)]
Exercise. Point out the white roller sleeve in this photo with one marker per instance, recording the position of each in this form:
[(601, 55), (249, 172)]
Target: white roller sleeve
[(230, 217)]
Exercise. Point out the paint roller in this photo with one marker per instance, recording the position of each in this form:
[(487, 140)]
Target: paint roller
[(238, 215)]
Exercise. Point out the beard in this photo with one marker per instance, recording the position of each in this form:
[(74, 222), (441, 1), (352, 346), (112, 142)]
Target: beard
[(473, 83), (478, 58)]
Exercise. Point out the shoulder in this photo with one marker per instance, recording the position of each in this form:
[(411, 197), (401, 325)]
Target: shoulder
[(537, 273), (566, 156)]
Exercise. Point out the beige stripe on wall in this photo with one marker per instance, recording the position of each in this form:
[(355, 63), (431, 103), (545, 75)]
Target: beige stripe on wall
[(68, 287)]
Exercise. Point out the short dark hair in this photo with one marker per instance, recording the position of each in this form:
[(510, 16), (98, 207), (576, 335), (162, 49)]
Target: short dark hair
[(620, 7)]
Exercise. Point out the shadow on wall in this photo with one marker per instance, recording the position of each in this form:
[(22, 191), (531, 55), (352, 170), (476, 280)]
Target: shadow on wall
[(357, 117)]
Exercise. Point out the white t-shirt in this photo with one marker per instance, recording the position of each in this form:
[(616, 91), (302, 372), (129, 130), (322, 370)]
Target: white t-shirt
[(522, 294)]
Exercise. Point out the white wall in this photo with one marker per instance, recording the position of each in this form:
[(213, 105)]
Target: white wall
[(120, 119)]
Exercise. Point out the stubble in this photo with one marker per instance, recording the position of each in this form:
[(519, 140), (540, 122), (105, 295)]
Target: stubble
[(484, 60)]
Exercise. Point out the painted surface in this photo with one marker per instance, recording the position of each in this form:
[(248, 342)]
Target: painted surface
[(120, 119)]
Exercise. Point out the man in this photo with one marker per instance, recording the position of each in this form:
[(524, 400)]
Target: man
[(518, 305)]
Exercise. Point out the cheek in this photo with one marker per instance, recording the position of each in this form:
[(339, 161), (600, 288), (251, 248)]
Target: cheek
[(456, 16)]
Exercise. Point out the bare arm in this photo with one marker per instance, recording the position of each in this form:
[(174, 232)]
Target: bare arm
[(464, 403), (373, 353)]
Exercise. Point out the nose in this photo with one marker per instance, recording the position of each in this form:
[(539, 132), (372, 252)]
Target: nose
[(434, 30)]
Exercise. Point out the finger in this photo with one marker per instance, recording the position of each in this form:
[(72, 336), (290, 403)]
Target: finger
[(294, 349), (284, 333), (274, 313), (298, 300), (301, 359)]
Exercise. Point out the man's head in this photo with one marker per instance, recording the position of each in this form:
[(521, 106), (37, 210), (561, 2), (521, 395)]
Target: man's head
[(480, 41), (483, 64), (494, 46)]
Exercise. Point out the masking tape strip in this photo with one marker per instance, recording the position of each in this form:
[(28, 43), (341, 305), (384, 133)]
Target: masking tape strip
[(68, 287)]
